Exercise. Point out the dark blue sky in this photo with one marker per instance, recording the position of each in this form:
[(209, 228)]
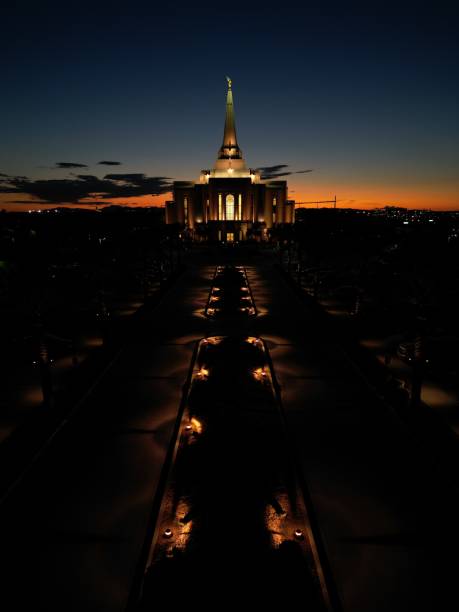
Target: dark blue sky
[(367, 101)]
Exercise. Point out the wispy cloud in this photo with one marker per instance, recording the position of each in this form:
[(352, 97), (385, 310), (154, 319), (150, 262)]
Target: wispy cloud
[(277, 171), (70, 165), (109, 163)]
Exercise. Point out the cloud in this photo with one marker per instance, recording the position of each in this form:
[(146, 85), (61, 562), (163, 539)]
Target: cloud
[(108, 163), (273, 168), (1, 174), (83, 186), (270, 172), (70, 165), (125, 177)]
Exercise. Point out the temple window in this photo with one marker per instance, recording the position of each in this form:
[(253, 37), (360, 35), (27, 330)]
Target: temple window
[(220, 207), (229, 205)]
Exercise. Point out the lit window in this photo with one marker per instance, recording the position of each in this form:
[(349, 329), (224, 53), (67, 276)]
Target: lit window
[(274, 209), (185, 208), (230, 207), (220, 207), (230, 237), (239, 207)]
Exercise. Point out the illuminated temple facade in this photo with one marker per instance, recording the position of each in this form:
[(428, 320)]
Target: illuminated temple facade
[(230, 202)]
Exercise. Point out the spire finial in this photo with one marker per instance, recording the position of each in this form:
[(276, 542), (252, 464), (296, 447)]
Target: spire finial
[(229, 82)]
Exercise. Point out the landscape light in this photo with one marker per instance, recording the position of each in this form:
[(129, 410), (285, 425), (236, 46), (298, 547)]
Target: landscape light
[(260, 374), (168, 533), (197, 425), (298, 534), (203, 373)]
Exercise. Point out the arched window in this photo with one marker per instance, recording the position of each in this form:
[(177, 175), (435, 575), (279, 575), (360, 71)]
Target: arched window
[(229, 209), (239, 207)]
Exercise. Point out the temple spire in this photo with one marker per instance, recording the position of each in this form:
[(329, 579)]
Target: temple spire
[(229, 148)]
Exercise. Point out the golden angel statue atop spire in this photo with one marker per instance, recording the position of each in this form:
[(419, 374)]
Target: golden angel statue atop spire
[(229, 82)]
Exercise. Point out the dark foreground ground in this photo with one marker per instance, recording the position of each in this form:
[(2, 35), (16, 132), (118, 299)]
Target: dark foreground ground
[(72, 530)]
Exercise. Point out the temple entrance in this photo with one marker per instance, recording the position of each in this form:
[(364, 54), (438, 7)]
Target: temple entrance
[(229, 236)]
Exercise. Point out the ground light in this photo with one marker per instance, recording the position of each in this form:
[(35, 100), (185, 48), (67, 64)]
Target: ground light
[(197, 425), (167, 533), (260, 374)]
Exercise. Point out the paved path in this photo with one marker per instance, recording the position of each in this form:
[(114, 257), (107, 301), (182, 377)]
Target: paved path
[(373, 504), (72, 532)]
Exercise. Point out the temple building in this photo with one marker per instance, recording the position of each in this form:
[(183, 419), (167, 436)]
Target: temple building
[(230, 202)]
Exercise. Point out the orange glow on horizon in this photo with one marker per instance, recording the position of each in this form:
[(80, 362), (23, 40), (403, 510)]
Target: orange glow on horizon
[(348, 196), (26, 202), (379, 196)]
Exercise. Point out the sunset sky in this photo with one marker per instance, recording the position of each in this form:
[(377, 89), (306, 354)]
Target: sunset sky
[(110, 103)]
